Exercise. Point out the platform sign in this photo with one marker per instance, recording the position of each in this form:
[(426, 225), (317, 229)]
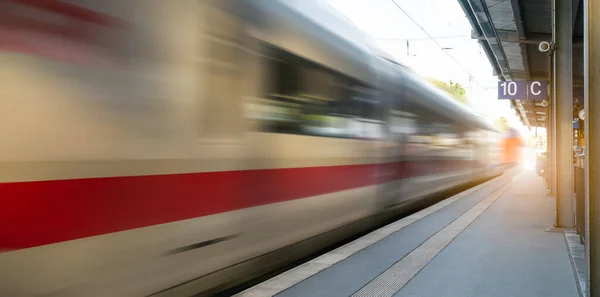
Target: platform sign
[(537, 90), (523, 90), (512, 89)]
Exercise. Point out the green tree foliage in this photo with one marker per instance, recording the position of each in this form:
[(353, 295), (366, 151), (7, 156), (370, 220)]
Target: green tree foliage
[(455, 90)]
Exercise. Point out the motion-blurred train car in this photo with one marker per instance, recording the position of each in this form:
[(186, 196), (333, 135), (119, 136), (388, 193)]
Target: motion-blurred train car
[(154, 147), (511, 147)]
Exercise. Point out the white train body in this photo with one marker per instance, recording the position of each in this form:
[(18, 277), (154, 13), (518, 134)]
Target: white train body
[(147, 144)]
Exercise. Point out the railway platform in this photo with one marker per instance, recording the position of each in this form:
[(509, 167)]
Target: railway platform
[(490, 240)]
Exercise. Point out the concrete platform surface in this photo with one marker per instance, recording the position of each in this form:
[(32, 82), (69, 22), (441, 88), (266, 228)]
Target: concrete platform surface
[(487, 241)]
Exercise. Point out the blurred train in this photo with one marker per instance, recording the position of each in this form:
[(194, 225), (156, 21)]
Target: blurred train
[(170, 147), (511, 147)]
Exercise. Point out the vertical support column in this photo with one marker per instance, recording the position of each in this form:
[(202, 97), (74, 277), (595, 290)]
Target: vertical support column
[(563, 111), (550, 166), (591, 74)]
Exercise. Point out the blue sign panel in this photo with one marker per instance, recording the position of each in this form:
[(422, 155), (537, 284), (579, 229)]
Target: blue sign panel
[(523, 90), (512, 90), (537, 90)]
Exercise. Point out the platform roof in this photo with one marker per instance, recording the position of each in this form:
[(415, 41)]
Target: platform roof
[(510, 31)]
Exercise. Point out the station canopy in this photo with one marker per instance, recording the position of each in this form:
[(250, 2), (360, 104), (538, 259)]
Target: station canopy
[(510, 32)]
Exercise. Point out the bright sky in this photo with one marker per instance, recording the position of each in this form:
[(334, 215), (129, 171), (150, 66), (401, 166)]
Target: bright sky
[(403, 28)]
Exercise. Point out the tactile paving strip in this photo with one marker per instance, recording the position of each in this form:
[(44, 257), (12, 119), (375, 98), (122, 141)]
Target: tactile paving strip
[(296, 275), (395, 277)]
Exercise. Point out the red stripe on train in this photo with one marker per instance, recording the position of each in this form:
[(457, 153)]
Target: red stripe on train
[(44, 212)]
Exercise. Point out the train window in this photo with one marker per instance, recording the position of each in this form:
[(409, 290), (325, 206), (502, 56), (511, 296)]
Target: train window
[(427, 135), (370, 112), (302, 97), (430, 135), (402, 122), (419, 133)]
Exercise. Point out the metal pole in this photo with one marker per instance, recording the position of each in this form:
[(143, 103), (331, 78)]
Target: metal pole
[(591, 44), (551, 115), (563, 110), (550, 146)]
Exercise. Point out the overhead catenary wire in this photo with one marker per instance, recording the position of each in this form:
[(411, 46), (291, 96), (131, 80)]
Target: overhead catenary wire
[(429, 37), (416, 39), (436, 43), (438, 10), (435, 6)]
